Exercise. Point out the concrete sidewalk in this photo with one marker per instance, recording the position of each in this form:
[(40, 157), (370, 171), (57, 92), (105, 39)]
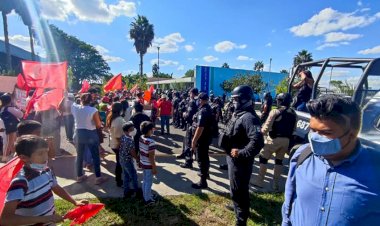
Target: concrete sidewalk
[(170, 180)]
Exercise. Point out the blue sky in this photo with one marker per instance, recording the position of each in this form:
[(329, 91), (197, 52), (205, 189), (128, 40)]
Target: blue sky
[(199, 32)]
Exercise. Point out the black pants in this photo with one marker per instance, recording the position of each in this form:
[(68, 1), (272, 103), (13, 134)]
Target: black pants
[(203, 160), (239, 173), (186, 147), (118, 169), (69, 126)]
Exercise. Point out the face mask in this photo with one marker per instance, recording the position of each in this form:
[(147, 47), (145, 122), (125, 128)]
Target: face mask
[(38, 167), (322, 145), (133, 133), (240, 106)]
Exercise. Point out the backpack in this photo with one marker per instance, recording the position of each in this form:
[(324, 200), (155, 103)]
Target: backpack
[(10, 121)]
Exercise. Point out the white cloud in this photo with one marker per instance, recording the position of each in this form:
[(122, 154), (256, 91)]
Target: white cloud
[(181, 68), (365, 9), (360, 3), (195, 59), (189, 48), (333, 44), (269, 44), (328, 20), (164, 63), (340, 36), (244, 58), (89, 10), (24, 43), (110, 59), (226, 46), (210, 58), (374, 50), (167, 44)]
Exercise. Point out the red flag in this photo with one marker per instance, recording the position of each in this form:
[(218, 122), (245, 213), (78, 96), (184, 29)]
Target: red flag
[(113, 84), (45, 75), (48, 100), (85, 87), (134, 88), (7, 173), (151, 89), (81, 214), (21, 83), (38, 92), (147, 95)]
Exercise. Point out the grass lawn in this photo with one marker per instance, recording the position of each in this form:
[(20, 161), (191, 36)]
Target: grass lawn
[(200, 209)]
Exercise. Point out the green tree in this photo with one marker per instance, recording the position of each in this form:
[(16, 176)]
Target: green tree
[(189, 73), (143, 34), (83, 59), (6, 6), (284, 71), (225, 65), (259, 66), (254, 81), (133, 79), (302, 57), (282, 87), (343, 87)]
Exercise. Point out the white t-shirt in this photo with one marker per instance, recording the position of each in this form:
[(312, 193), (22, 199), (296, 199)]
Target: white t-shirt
[(116, 131), (83, 116)]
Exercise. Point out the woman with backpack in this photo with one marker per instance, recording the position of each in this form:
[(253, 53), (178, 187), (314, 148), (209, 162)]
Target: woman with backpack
[(11, 117)]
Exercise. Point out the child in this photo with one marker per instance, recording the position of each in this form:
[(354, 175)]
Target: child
[(147, 162), (29, 199), (29, 127), (127, 153)]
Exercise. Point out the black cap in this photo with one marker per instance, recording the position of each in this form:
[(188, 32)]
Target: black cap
[(203, 96), (194, 91)]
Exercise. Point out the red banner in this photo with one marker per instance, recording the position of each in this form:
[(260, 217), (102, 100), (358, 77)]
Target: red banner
[(81, 214), (85, 87), (45, 75), (114, 83)]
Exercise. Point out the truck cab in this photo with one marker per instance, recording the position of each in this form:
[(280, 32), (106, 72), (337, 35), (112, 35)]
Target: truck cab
[(354, 78)]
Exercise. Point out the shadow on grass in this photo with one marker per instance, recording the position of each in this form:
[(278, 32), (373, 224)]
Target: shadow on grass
[(134, 212), (266, 208)]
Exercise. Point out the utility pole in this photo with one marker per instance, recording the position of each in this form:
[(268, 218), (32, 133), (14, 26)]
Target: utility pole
[(270, 64)]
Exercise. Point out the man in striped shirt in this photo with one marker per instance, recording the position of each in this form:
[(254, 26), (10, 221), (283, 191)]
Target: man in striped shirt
[(147, 162), (29, 199)]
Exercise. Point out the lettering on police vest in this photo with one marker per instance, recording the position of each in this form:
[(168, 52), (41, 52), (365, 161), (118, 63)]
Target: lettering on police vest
[(303, 125)]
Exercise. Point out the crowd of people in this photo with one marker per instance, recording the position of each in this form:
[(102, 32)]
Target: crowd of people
[(330, 169)]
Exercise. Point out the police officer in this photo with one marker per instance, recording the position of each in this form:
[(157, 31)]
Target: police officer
[(192, 108), (176, 101), (279, 127), (246, 141), (182, 110), (202, 138)]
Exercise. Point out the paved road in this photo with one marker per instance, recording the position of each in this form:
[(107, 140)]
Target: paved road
[(170, 180)]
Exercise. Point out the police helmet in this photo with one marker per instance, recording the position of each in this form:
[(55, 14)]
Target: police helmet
[(267, 95), (243, 92), (284, 99)]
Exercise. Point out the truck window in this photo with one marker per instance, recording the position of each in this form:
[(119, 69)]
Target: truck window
[(370, 88)]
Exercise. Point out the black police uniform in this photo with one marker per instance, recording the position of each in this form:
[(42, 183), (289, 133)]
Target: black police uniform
[(192, 108), (176, 113), (182, 109), (247, 137)]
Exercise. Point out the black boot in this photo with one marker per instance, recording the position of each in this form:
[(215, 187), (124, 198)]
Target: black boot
[(202, 184)]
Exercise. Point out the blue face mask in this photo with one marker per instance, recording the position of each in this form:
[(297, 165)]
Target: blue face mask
[(38, 167), (322, 145)]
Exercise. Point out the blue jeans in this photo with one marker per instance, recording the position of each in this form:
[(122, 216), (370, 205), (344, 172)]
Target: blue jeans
[(69, 126), (165, 122), (130, 175), (147, 184), (302, 107), (87, 139)]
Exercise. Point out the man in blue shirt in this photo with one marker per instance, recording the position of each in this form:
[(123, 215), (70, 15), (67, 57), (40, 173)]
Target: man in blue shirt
[(338, 182)]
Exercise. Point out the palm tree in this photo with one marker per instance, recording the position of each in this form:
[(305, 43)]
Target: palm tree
[(143, 33), (225, 65), (24, 12), (155, 70), (302, 57), (6, 6), (259, 66)]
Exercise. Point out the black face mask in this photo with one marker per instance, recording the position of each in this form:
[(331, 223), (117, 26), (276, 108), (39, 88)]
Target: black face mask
[(238, 105)]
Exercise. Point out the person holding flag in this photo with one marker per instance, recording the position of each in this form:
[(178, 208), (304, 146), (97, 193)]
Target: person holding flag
[(30, 199)]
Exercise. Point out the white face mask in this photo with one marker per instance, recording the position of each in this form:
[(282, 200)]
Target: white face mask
[(133, 133), (38, 167)]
